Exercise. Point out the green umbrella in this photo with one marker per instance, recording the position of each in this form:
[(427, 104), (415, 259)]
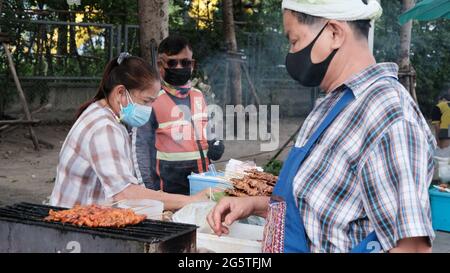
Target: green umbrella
[(427, 10)]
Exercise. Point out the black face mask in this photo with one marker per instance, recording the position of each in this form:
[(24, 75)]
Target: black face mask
[(177, 76), (301, 68)]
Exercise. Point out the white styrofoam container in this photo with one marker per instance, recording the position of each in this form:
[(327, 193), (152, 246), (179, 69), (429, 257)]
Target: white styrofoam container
[(242, 238), (443, 168)]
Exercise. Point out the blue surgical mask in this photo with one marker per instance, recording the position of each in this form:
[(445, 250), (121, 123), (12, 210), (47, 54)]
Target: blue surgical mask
[(134, 115)]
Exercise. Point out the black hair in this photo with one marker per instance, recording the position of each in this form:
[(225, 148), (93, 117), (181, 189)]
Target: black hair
[(173, 45), (360, 27), (444, 95), (445, 92), (133, 72), (446, 87)]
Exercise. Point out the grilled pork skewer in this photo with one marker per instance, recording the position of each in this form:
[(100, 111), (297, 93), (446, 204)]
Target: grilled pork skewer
[(96, 216)]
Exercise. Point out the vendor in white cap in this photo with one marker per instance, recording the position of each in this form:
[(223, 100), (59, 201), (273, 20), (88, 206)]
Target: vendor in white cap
[(357, 179)]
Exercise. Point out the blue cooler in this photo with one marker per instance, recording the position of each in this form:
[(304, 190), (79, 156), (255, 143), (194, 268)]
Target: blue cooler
[(440, 209), (199, 182)]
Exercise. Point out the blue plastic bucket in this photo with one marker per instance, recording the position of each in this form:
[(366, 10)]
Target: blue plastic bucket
[(199, 182), (440, 209)]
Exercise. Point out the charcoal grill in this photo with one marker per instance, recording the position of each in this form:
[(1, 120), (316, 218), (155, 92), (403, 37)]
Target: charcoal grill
[(22, 229)]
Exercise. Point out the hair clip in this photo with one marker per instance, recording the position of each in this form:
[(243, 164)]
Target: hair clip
[(122, 56)]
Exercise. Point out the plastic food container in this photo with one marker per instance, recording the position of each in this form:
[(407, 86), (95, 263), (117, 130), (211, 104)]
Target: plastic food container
[(440, 208), (243, 238), (153, 209), (199, 182)]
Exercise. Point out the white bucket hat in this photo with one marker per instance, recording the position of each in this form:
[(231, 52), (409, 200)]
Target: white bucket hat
[(343, 10)]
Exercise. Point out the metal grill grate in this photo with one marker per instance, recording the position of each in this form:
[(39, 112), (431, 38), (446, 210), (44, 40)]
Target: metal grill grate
[(149, 231)]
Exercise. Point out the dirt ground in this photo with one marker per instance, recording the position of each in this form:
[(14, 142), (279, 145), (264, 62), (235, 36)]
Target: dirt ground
[(28, 175)]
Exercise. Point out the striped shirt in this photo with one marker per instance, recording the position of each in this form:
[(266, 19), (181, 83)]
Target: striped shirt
[(371, 169), (95, 161)]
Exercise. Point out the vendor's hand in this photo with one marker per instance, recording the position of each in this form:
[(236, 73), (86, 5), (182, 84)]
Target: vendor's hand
[(228, 210)]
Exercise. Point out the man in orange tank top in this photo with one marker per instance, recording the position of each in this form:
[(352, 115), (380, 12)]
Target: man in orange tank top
[(175, 136)]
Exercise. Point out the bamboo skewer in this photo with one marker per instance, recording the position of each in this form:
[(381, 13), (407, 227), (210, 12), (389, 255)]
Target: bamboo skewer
[(141, 208), (153, 215), (118, 202), (136, 208)]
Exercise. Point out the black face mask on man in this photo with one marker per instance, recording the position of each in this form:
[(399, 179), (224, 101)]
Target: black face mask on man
[(300, 67), (177, 76)]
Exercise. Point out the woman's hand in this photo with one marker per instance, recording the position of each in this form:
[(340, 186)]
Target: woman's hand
[(204, 195), (201, 196), (230, 209), (171, 201)]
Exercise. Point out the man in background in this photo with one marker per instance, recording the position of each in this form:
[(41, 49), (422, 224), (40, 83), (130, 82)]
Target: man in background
[(441, 118), (174, 143)]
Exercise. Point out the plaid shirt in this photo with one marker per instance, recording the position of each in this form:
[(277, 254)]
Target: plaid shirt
[(370, 170), (95, 161)]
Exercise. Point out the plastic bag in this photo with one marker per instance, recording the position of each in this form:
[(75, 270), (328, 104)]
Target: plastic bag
[(194, 213)]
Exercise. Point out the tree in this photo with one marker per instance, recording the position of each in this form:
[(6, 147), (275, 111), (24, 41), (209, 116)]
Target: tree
[(429, 51), (231, 43), (406, 69), (153, 24)]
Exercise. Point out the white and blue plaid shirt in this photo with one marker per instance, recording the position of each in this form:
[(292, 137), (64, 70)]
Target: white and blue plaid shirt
[(370, 170)]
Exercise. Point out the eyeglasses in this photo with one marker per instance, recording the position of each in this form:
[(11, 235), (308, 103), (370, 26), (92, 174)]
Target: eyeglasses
[(172, 63)]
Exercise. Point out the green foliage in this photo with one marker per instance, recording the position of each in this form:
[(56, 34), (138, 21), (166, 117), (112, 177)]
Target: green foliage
[(175, 8), (430, 51), (260, 19), (206, 41), (274, 167), (431, 59)]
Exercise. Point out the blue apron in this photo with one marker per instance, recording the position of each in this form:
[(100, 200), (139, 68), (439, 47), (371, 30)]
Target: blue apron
[(284, 231)]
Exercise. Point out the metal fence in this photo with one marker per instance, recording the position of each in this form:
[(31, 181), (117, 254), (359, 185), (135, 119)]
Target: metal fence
[(264, 56), (56, 48)]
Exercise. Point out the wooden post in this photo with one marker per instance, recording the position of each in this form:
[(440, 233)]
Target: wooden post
[(21, 96), (18, 121), (404, 63), (252, 86), (405, 36), (230, 39), (225, 84), (153, 24), (372, 33)]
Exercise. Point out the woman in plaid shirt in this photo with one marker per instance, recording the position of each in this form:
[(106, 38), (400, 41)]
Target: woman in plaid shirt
[(95, 163)]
